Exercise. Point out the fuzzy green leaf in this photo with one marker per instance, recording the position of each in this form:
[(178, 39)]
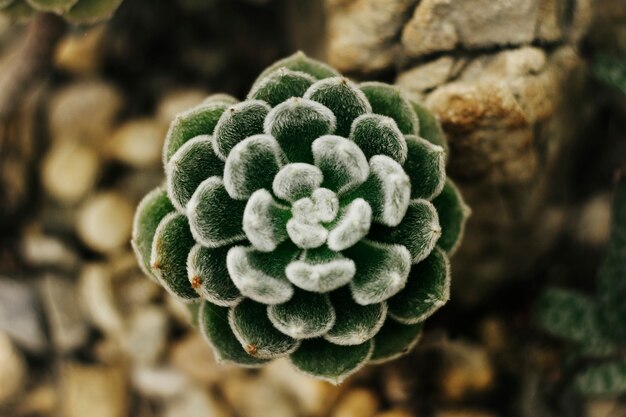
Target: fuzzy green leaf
[(213, 322), (55, 6), (394, 340), (192, 163), (379, 135), (343, 164), (251, 165), (430, 128), (259, 275), (281, 85), (453, 213), (388, 100), (333, 363), (255, 331), (604, 380), (170, 248), (382, 271), (306, 315), (343, 98), (352, 226), (296, 181), (17, 10), (298, 62), (419, 230), (611, 70), (198, 121), (208, 275), (215, 218), (151, 210), (320, 270), (567, 314), (426, 166), (238, 122), (427, 289), (92, 11), (265, 221), (296, 123), (355, 324)]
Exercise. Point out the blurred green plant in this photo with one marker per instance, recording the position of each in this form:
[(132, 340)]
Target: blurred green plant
[(595, 326), (74, 11)]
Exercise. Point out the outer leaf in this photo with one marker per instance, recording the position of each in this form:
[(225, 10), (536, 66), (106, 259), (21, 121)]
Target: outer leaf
[(55, 6), (221, 98), (388, 100), (306, 315), (608, 379), (151, 210), (216, 330), (256, 333), (200, 120), (215, 218), (382, 271), (260, 276), (343, 98), (237, 123), (192, 163), (394, 340), (299, 62), (430, 128), (170, 248), (342, 162), (208, 275), (426, 166), (92, 11), (265, 221), (333, 363), (379, 135), (320, 270), (453, 213), (252, 165), (355, 323), (17, 10), (427, 289), (296, 123), (419, 230), (281, 85), (567, 314)]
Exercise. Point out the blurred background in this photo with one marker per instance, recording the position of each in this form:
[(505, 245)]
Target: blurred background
[(531, 94)]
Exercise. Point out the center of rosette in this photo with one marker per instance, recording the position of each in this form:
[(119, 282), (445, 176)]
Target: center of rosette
[(305, 228)]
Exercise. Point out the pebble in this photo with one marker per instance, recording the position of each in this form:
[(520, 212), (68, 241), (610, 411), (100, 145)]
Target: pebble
[(12, 368), (81, 53), (96, 293), (463, 413), (41, 400), (159, 382), (253, 397), (605, 408), (138, 143), (396, 412), (358, 402), (194, 357), (94, 391), (178, 101), (66, 322), (146, 335), (69, 171), (19, 317), (84, 111), (197, 403), (44, 251), (105, 221), (593, 225), (466, 369)]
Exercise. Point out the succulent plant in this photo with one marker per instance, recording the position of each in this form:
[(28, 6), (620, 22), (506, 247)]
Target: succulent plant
[(595, 325), (74, 11), (312, 220)]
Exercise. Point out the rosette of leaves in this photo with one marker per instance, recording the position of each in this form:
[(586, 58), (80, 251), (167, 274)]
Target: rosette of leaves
[(74, 11), (312, 220), (595, 326)]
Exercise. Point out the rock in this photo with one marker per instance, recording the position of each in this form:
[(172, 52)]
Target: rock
[(69, 170), (463, 413), (314, 397), (604, 408), (41, 400), (138, 143), (423, 78), (66, 322), (84, 111), (146, 335), (465, 369), (179, 311), (81, 53), (19, 316), (592, 226), (44, 251), (253, 397), (178, 101), (358, 402), (12, 368), (96, 293), (137, 290), (362, 33), (396, 412), (94, 390), (194, 357), (494, 334), (160, 383), (104, 221), (197, 403)]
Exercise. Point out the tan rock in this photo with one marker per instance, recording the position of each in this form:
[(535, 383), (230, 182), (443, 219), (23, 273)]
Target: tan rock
[(81, 52), (96, 292), (466, 369), (253, 397), (194, 357), (12, 368), (197, 403), (69, 170), (418, 80), (160, 383), (463, 413), (396, 412), (93, 390), (146, 335), (41, 400), (45, 251), (177, 101), (593, 223), (104, 221), (138, 143), (358, 402)]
